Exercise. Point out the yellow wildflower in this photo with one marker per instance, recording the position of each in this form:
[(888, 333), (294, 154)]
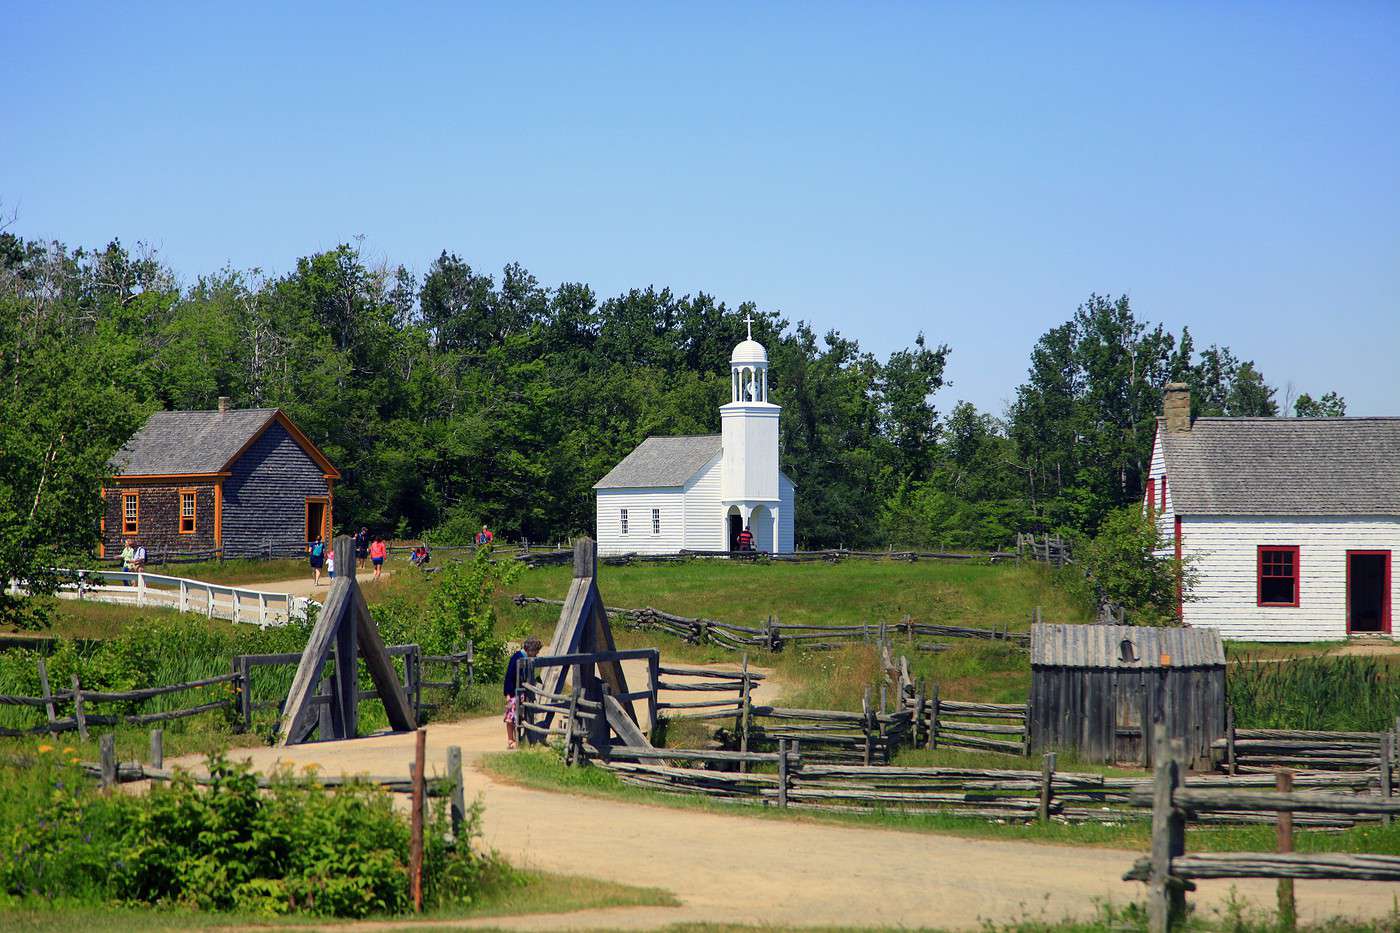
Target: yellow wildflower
[(73, 761), (311, 768), (69, 750), (45, 749)]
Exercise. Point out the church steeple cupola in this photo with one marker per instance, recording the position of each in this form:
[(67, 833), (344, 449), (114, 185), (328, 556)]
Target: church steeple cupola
[(748, 370)]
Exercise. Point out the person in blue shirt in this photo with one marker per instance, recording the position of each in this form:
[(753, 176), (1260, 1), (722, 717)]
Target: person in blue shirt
[(528, 650)]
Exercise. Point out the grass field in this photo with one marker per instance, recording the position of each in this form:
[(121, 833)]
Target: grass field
[(974, 593)]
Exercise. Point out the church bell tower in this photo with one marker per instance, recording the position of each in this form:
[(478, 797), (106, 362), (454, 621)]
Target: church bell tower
[(749, 426)]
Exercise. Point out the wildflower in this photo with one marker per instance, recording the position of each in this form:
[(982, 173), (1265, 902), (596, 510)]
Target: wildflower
[(45, 749), (69, 750), (311, 768), (74, 760)]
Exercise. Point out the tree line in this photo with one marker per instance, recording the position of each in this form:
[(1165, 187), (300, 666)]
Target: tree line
[(458, 397)]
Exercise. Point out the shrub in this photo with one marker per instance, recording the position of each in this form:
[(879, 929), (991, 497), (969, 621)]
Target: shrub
[(1123, 566), (295, 847)]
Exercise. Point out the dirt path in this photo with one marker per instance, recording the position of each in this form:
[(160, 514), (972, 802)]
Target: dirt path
[(740, 869)]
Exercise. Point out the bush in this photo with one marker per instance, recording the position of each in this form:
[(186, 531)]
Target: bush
[(296, 847), (1123, 566), (459, 608)]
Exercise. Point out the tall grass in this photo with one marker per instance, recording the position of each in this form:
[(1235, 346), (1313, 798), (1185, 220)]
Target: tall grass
[(1346, 694)]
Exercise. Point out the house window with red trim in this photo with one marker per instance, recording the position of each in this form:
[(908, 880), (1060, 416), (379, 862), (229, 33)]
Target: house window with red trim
[(1278, 575), (1151, 495), (1163, 487)]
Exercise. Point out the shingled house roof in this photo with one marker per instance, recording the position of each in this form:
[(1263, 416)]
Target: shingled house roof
[(662, 461), (175, 443), (1284, 466)]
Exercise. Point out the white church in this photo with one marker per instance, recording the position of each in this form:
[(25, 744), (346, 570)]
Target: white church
[(699, 492)]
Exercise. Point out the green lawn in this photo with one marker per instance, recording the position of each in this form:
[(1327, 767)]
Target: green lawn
[(972, 593)]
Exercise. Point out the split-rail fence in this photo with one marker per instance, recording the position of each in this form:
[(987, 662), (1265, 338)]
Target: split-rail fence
[(236, 694), (1169, 871)]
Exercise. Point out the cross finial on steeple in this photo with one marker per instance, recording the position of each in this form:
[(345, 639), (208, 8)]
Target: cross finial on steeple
[(748, 322)]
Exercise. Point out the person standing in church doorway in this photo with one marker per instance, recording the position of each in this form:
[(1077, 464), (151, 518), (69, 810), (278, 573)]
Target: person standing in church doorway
[(746, 539)]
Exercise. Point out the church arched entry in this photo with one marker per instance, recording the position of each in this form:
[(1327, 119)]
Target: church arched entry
[(761, 524), (734, 523)]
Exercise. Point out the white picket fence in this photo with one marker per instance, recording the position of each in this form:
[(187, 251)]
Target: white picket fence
[(215, 600)]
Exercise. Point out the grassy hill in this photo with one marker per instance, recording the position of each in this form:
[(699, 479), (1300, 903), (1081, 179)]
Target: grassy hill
[(973, 593)]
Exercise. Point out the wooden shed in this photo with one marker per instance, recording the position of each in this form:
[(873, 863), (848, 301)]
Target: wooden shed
[(1093, 687)]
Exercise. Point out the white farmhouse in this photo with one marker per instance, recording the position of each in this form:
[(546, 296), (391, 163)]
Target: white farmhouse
[(1289, 523), (699, 492)]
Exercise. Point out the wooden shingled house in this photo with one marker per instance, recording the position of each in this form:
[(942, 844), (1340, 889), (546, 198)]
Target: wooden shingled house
[(244, 482)]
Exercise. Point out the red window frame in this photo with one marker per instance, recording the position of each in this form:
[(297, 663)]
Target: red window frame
[(1151, 495), (1162, 487), (1295, 576)]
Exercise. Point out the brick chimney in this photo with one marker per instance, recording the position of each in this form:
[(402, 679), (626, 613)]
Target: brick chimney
[(223, 404), (1176, 406)]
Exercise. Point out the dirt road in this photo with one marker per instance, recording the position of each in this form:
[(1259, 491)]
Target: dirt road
[(740, 869)]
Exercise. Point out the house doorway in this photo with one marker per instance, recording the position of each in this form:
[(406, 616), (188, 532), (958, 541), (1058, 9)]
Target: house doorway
[(736, 525), (315, 519), (1368, 591)]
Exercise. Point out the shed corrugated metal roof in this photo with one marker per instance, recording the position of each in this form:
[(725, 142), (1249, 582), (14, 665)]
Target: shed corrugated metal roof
[(1101, 646)]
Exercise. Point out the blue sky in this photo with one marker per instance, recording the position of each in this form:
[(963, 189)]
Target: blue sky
[(972, 171)]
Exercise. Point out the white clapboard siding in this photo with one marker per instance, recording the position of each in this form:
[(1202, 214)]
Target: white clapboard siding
[(786, 518), (1223, 550), (1166, 517), (639, 504), (704, 510)]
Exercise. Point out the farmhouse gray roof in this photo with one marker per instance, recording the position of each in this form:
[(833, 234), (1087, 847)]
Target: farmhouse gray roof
[(176, 442), (662, 461), (1101, 646), (1284, 466)]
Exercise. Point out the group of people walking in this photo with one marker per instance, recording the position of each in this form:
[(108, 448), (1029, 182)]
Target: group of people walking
[(374, 549), (321, 555)]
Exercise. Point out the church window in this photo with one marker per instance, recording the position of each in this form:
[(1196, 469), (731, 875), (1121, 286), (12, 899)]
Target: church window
[(624, 521), (656, 521)]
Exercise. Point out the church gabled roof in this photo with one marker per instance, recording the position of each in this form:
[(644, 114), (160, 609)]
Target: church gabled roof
[(662, 461)]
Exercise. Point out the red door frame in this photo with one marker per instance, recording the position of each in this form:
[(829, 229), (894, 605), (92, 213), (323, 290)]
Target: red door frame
[(1385, 591)]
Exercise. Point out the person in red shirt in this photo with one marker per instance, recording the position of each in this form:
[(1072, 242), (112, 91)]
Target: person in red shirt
[(378, 550), (484, 537), (746, 539)]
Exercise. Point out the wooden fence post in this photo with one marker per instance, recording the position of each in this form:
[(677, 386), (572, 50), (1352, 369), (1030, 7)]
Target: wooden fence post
[(742, 723), (866, 716), (415, 844), (157, 748), (1287, 905), (570, 733), (1387, 753), (1230, 738), (1047, 779), (48, 697), (933, 706), (78, 709), (1166, 896), (920, 704), (108, 746), (459, 798), (782, 772), (654, 676)]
